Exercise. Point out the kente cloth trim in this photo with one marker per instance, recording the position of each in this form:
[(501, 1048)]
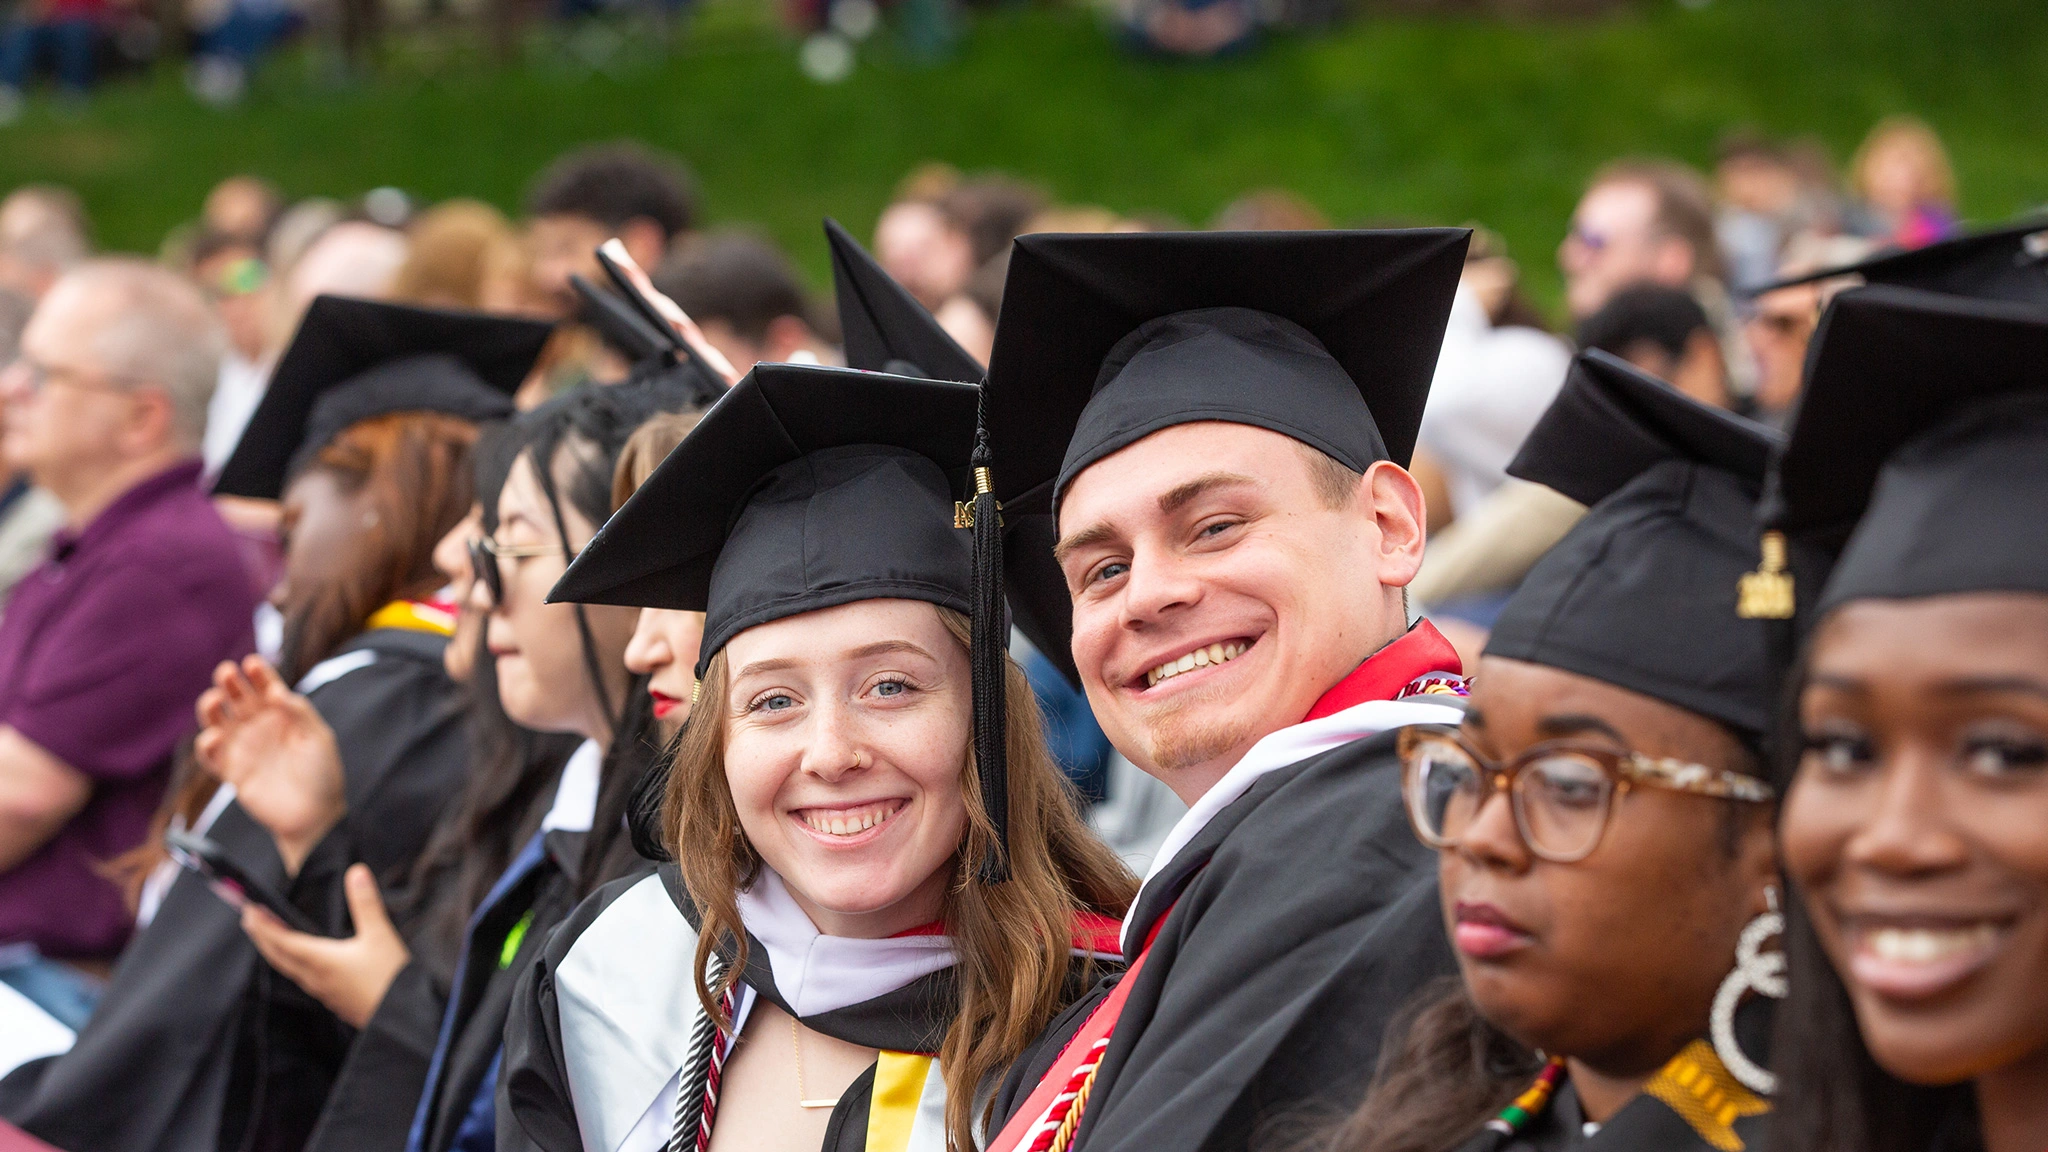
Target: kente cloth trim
[(1697, 1086)]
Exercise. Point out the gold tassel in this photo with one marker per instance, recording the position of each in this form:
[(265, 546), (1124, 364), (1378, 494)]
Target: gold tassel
[(1766, 594), (963, 510)]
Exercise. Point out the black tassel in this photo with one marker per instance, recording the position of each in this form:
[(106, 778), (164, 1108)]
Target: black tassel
[(989, 655)]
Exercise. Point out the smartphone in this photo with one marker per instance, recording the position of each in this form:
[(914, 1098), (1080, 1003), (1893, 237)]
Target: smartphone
[(232, 882)]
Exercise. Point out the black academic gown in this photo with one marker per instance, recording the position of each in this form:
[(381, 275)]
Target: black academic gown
[(1303, 915), (622, 959), (156, 1067), (1692, 1105)]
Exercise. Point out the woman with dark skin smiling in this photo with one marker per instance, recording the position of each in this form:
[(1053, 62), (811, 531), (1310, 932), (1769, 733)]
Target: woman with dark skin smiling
[(1913, 828), (1603, 834)]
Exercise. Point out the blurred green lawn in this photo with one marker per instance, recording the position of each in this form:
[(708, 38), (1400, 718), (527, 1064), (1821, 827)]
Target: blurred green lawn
[(1436, 120)]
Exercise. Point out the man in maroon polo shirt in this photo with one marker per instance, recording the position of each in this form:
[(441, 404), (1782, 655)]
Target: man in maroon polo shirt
[(106, 644)]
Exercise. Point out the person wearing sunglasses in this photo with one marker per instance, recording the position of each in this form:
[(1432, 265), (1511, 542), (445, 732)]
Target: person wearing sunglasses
[(1915, 827), (1602, 827)]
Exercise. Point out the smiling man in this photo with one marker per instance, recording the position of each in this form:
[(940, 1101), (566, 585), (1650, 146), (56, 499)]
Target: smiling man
[(1209, 430)]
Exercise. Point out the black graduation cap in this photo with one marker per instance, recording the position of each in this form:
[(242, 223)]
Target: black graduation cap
[(882, 326), (1924, 424), (354, 359), (804, 488), (2004, 264), (1642, 592), (1328, 337)]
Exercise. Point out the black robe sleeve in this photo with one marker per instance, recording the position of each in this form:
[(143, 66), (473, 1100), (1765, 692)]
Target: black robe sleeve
[(371, 1106), (1270, 985)]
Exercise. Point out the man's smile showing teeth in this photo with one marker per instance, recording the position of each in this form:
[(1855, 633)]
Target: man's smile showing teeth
[(1200, 658), (848, 821)]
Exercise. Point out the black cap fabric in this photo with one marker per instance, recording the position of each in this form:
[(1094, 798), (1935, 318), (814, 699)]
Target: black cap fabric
[(1641, 593), (803, 488), (2005, 264), (1328, 337), (354, 359), (882, 326), (1924, 423)]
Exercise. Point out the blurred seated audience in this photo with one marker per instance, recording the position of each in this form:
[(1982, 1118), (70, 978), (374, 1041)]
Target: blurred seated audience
[(1664, 332), (1902, 177), (747, 299), (1651, 222), (1781, 321), (1498, 370), (66, 32), (229, 38), (43, 234), (1759, 190), (941, 229), (586, 197), (448, 250), (28, 514), (230, 270), (1197, 28), (244, 207), (1269, 210), (141, 594)]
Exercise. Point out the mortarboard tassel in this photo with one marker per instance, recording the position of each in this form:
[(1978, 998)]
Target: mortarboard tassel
[(989, 652)]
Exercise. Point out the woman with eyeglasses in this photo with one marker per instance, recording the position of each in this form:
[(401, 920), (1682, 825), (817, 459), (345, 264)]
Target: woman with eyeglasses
[(881, 889), (1915, 826), (1603, 828)]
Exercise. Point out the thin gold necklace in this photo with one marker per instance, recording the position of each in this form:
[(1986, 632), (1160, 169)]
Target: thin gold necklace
[(796, 1045)]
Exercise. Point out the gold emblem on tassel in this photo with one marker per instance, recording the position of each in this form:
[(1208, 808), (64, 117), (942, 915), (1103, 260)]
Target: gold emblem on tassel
[(963, 510), (1766, 594)]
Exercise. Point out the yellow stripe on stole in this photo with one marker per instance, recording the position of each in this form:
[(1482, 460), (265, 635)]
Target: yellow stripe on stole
[(413, 616), (899, 1089)]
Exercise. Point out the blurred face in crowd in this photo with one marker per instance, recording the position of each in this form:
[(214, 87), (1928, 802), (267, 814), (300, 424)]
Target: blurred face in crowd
[(1219, 589), (1612, 960), (664, 649), (1913, 831), (451, 560), (1614, 243), (565, 244), (68, 421), (1699, 371), (322, 528), (235, 279), (543, 680), (846, 736), (1778, 333), (916, 244)]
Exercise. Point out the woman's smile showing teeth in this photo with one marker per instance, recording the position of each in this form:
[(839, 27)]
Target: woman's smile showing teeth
[(1908, 961), (848, 822), (1221, 653)]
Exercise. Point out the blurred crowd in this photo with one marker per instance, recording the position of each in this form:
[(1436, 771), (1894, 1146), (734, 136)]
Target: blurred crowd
[(1678, 273)]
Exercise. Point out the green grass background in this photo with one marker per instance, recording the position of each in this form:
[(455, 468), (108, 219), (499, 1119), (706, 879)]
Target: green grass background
[(1424, 119)]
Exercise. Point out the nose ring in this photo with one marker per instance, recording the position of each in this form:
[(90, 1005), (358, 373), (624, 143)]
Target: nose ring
[(860, 759)]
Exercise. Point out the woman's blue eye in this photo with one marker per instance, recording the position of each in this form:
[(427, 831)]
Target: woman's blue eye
[(891, 688), (775, 702)]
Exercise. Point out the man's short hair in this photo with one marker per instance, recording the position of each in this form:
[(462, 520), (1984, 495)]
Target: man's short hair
[(45, 226), (1335, 484), (615, 183), (737, 278), (1684, 206), (155, 328), (1666, 317)]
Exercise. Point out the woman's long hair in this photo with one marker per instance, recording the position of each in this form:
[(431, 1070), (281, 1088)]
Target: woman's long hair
[(1014, 940), (414, 468), (1832, 1096)]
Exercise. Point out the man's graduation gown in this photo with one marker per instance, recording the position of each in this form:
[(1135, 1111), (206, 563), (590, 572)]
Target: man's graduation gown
[(602, 1028), (152, 1069), (1284, 939)]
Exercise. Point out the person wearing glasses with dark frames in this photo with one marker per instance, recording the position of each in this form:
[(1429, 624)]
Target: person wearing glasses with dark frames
[(1603, 831)]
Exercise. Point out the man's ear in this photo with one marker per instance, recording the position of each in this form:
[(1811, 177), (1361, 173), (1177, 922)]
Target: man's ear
[(152, 421), (1395, 501), (646, 242)]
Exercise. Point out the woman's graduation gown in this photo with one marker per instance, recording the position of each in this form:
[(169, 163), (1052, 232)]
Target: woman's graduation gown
[(606, 1025), (1692, 1104), (168, 1062)]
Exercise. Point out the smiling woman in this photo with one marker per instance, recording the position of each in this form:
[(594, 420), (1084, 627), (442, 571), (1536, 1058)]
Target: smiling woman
[(1919, 782), (848, 872)]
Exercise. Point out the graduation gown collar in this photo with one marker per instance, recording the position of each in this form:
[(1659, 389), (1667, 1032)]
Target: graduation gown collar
[(813, 973), (1365, 703)]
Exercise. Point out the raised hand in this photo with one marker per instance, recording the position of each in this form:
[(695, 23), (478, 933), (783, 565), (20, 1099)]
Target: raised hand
[(272, 745), (349, 976)]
